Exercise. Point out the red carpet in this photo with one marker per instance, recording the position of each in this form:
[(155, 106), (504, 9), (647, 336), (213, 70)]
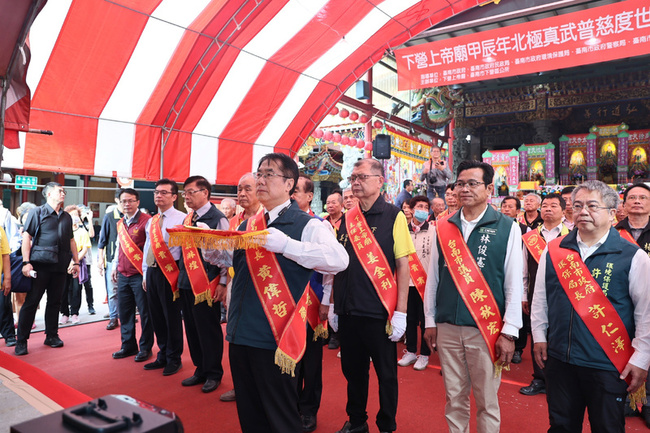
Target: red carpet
[(85, 364)]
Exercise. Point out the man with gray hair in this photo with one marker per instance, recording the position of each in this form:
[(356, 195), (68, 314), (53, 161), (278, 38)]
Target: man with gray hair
[(590, 317), (532, 217), (228, 207)]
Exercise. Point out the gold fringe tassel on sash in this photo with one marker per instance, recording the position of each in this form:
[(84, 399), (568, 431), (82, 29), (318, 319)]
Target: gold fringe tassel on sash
[(216, 239), (638, 398), (205, 296), (320, 331), (285, 362), (498, 368)]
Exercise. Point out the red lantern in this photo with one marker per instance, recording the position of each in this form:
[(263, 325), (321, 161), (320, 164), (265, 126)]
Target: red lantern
[(353, 142), (363, 119), (354, 116), (318, 133), (336, 138), (378, 124), (345, 140), (344, 113), (328, 135), (360, 144), (368, 146), (334, 111)]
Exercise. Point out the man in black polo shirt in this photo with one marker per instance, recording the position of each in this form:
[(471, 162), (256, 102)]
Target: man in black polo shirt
[(50, 226)]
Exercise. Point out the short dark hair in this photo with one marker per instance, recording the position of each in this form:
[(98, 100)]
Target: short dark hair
[(517, 201), (309, 184), (420, 198), (48, 187), (288, 166), (407, 182), (169, 182), (374, 165), (558, 197), (468, 164), (450, 186), (567, 190), (636, 185), (200, 181), (130, 191)]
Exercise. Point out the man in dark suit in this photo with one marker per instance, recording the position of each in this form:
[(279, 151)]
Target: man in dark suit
[(202, 318)]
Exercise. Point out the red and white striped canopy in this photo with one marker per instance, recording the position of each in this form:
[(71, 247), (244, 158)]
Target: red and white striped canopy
[(210, 85)]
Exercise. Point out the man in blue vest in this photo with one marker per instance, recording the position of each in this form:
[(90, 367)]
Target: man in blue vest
[(267, 399), (494, 240), (579, 361)]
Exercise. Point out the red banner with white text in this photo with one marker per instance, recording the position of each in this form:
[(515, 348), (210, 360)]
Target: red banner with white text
[(610, 32)]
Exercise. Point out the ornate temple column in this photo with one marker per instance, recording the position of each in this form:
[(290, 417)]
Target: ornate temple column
[(544, 131), (461, 149), (592, 168), (317, 202), (623, 156)]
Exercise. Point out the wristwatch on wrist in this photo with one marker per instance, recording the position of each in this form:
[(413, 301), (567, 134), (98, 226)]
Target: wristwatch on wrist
[(509, 337), (75, 264), (26, 262)]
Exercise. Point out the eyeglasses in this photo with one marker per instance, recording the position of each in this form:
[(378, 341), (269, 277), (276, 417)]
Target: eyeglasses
[(190, 192), (638, 197), (163, 192), (64, 192), (128, 201), (591, 208), (361, 177), (470, 183), (269, 175)]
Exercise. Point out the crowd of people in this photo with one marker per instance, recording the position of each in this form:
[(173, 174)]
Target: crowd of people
[(446, 272)]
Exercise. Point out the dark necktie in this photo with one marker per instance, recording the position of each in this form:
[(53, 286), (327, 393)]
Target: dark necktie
[(266, 218), (195, 218)]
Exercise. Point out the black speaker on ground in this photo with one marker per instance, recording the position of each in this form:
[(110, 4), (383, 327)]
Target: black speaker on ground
[(381, 146), (111, 413)]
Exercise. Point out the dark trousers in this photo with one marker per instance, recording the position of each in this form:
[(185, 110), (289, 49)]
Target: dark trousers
[(71, 297), (53, 283), (204, 335), (415, 320), (7, 329), (267, 400), (310, 376), (434, 191), (129, 295), (522, 339), (570, 389), (88, 288), (361, 339), (165, 316)]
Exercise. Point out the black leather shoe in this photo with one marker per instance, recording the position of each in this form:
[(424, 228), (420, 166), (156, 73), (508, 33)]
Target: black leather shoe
[(347, 428), (516, 357), (10, 341), (334, 343), (172, 368), (53, 341), (156, 365), (308, 422), (21, 348), (143, 355), (122, 353), (210, 385), (193, 380), (535, 387), (645, 413), (112, 324)]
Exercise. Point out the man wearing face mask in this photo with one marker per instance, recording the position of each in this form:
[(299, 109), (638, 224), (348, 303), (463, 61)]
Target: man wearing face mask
[(422, 235)]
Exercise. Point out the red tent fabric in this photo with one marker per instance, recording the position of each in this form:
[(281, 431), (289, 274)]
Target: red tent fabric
[(201, 87)]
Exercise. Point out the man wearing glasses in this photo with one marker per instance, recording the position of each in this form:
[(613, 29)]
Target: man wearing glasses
[(472, 300), (131, 235), (46, 225), (370, 296), (590, 316), (160, 279), (268, 281), (198, 280)]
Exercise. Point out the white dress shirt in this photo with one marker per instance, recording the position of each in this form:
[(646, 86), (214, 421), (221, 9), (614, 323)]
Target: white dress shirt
[(512, 284), (639, 292), (170, 218)]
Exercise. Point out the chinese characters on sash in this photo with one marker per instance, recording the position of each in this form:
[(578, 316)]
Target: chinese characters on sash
[(128, 246), (163, 256)]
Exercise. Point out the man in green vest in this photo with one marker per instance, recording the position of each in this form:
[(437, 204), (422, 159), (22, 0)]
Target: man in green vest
[(468, 360)]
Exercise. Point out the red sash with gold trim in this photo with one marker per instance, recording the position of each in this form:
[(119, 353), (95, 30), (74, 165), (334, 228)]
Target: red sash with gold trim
[(470, 283), (535, 243), (202, 287), (417, 273), (128, 246), (591, 304), (289, 329), (372, 259), (627, 235), (443, 215), (163, 256)]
